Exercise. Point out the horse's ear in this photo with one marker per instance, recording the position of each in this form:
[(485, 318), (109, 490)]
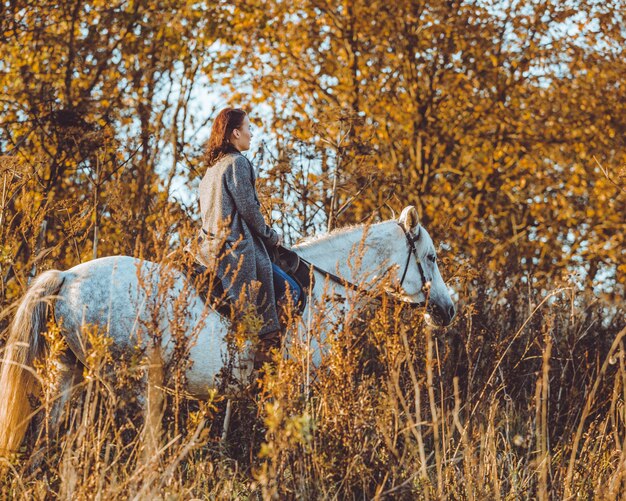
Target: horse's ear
[(409, 218)]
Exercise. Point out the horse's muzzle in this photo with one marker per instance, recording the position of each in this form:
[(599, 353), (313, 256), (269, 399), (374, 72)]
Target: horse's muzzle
[(442, 314)]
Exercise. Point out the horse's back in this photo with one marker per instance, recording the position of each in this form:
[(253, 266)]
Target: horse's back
[(110, 265), (119, 296)]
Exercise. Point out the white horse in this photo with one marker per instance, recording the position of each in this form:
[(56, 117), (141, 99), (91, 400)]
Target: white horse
[(118, 294)]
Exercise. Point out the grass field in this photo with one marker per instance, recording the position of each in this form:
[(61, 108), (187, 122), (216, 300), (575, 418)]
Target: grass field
[(521, 398)]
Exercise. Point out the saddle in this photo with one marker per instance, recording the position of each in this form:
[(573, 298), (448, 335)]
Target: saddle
[(297, 268)]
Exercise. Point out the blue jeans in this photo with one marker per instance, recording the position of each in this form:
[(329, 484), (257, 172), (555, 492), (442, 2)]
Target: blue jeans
[(280, 288)]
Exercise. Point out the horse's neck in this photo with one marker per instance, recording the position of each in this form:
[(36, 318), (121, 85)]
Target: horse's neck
[(356, 253)]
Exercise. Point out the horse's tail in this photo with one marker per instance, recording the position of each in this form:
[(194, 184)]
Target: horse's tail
[(24, 345)]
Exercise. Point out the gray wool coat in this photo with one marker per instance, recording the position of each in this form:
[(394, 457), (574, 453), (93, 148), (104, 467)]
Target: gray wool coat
[(234, 234)]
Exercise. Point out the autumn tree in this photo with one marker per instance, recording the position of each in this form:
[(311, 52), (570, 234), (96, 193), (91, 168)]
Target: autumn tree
[(96, 110), (499, 120)]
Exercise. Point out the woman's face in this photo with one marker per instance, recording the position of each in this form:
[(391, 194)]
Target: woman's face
[(240, 138)]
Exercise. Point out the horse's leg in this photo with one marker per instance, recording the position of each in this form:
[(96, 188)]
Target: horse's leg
[(69, 375)]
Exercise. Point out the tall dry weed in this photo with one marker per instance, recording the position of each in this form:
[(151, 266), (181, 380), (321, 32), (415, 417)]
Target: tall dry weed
[(522, 397)]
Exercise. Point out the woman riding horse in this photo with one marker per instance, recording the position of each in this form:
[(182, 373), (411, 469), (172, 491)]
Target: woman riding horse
[(234, 233)]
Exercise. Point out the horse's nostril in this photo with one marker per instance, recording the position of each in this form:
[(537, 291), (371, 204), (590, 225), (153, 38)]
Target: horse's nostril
[(451, 312), (442, 313)]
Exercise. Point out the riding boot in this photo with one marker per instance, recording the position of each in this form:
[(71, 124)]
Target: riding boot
[(267, 342)]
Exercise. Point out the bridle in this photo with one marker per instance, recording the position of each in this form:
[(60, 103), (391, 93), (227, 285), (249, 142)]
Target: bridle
[(412, 251), (411, 240)]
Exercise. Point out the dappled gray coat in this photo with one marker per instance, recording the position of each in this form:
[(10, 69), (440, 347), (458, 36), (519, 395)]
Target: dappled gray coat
[(234, 231)]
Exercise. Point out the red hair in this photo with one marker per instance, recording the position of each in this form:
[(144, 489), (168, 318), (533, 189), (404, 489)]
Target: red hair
[(219, 143)]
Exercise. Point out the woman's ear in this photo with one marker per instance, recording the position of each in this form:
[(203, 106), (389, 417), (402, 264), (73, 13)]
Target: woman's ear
[(409, 218)]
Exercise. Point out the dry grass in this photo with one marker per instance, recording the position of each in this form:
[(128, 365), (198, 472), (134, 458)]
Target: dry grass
[(399, 409), (521, 398)]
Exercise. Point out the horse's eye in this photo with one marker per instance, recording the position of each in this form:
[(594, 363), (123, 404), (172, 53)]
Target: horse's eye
[(432, 258)]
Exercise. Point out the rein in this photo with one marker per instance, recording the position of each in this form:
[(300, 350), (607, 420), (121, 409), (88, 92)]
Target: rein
[(332, 276)]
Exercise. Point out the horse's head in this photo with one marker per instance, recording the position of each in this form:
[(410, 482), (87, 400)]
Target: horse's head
[(418, 273)]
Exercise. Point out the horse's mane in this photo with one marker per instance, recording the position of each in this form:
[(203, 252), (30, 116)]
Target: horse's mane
[(343, 231)]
